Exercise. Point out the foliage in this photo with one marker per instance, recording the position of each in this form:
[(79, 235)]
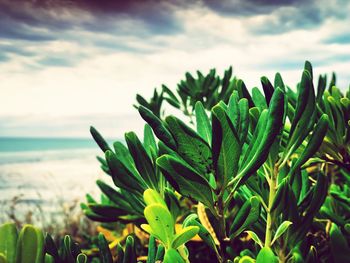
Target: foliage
[(261, 164)]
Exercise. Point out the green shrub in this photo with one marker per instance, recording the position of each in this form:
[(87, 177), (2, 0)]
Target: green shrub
[(271, 167)]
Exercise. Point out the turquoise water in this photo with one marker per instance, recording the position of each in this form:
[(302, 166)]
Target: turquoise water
[(43, 144)]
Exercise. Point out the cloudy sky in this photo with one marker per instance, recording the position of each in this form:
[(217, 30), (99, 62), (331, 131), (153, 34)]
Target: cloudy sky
[(67, 64)]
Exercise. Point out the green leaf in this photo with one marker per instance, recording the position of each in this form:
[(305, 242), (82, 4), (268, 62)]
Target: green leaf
[(339, 247), (153, 197), (186, 180), (141, 100), (107, 210), (160, 253), (184, 236), (244, 120), (190, 146), (226, 147), (161, 222), (233, 109), (120, 254), (122, 176), (278, 201), (149, 142), (304, 117), (313, 144), (259, 99), (172, 256), (130, 253), (8, 241), (280, 230), (304, 94), (247, 215), (202, 122), (170, 93), (255, 237), (152, 250), (99, 139), (264, 136), (204, 234), (158, 127), (105, 253), (246, 259), (278, 83), (82, 258), (266, 256), (123, 155), (3, 258), (173, 103), (30, 245), (268, 89), (116, 197), (142, 161)]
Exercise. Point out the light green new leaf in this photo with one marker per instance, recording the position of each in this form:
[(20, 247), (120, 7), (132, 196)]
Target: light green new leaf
[(30, 245), (255, 237), (153, 197), (280, 230), (172, 256), (82, 258), (245, 259), (8, 241), (266, 256), (161, 222)]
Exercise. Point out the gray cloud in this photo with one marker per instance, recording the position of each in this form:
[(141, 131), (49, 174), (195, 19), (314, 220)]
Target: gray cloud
[(247, 7), (343, 38), (56, 61), (139, 21)]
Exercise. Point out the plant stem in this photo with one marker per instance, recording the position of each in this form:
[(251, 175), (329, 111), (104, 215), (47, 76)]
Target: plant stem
[(222, 222), (270, 216)]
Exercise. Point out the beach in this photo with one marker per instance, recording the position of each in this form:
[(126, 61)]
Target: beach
[(40, 177)]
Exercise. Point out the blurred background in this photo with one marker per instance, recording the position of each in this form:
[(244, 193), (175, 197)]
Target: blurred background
[(69, 64)]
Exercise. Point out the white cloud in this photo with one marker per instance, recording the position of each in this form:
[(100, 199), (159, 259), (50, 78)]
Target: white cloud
[(103, 81)]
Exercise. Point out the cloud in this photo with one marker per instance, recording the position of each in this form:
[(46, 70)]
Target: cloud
[(110, 125), (343, 38), (63, 59)]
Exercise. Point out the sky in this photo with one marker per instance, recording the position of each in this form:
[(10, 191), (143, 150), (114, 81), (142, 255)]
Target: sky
[(69, 64)]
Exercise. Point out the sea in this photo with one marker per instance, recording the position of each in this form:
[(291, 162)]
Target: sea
[(43, 177)]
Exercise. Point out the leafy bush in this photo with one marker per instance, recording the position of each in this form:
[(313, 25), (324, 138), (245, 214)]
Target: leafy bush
[(270, 167)]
